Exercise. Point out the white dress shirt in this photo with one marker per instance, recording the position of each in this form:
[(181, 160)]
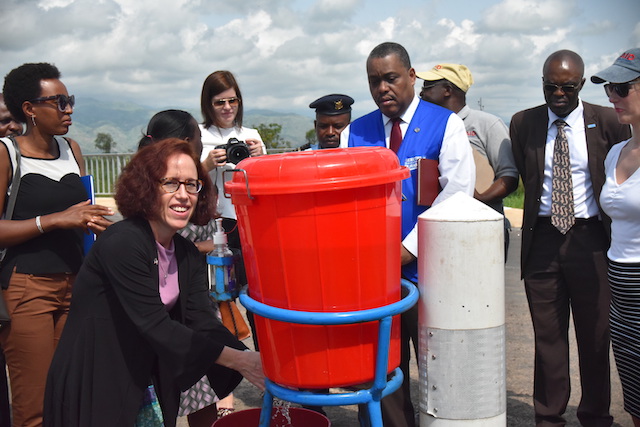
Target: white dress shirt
[(585, 205), (455, 162)]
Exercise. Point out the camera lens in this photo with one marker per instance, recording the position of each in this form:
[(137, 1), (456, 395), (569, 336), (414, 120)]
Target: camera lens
[(237, 152)]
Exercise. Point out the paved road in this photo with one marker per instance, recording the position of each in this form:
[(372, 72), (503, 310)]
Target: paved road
[(519, 364), (520, 355)]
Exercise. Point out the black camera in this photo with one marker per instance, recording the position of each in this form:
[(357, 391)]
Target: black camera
[(236, 150)]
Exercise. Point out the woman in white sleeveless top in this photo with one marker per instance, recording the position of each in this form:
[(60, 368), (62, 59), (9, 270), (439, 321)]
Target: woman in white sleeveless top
[(44, 236)]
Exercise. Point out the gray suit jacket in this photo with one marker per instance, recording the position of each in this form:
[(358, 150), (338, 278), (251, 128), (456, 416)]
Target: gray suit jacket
[(528, 130)]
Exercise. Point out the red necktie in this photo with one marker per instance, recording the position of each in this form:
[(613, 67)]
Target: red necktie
[(396, 135)]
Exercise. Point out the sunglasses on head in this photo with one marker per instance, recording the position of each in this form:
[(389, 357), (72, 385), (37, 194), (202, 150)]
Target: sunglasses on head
[(220, 102), (63, 101), (550, 87), (621, 89)]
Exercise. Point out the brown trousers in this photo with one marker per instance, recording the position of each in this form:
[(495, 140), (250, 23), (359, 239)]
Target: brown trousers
[(38, 306), (567, 275)]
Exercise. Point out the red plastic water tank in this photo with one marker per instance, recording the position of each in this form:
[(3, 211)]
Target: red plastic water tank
[(321, 233)]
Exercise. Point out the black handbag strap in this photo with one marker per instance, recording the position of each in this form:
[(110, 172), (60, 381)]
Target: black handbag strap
[(15, 183)]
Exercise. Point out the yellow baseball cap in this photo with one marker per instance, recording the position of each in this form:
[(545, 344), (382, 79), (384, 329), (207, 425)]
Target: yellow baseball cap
[(457, 74)]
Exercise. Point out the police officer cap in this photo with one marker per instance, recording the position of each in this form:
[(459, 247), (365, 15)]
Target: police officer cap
[(332, 105)]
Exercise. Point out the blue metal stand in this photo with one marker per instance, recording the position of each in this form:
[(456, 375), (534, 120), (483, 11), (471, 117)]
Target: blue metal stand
[(382, 386)]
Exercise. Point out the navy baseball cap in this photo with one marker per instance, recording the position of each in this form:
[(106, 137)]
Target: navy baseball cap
[(625, 69)]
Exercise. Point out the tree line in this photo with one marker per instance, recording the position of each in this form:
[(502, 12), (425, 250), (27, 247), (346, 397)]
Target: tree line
[(271, 136)]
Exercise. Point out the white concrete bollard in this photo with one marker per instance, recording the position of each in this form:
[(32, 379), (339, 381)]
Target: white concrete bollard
[(462, 357)]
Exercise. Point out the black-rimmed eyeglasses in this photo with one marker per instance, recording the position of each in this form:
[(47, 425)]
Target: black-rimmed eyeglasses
[(171, 185), (621, 89), (63, 101)]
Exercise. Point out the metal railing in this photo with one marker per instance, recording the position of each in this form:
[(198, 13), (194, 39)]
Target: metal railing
[(105, 169)]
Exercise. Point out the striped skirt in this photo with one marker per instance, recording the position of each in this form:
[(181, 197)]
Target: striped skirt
[(625, 329)]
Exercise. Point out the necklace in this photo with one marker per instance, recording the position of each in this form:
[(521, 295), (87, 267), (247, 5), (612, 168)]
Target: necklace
[(164, 260), (163, 271), (161, 268)]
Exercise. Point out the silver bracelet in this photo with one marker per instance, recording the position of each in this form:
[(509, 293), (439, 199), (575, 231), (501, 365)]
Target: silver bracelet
[(39, 225)]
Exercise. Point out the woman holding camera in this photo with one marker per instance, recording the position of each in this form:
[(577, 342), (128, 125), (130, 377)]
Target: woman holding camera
[(223, 133), (225, 142)]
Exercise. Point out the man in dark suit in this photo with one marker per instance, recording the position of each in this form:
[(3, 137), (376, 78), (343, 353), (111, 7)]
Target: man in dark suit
[(565, 238)]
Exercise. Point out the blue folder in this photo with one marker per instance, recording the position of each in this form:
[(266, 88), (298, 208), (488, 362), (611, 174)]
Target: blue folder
[(89, 238)]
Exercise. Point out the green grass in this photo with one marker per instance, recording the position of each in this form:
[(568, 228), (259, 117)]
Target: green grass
[(516, 199)]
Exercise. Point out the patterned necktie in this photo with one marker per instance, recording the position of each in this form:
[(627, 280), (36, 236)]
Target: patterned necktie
[(396, 135), (562, 209)]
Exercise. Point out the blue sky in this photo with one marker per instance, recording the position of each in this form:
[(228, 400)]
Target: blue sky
[(286, 53)]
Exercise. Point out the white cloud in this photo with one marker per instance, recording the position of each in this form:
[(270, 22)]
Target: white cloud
[(387, 28), (50, 4), (268, 38), (463, 34), (286, 53), (527, 15), (192, 36), (595, 28), (635, 37), (328, 14), (552, 37)]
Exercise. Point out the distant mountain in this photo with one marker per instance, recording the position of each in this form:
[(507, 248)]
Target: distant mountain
[(294, 126), (126, 122)]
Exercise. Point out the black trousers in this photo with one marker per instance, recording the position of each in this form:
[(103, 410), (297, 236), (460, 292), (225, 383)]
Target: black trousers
[(397, 408), (567, 274)]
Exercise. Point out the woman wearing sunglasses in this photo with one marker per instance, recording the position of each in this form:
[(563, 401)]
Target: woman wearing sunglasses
[(222, 109), (620, 199), (44, 235), (141, 313)]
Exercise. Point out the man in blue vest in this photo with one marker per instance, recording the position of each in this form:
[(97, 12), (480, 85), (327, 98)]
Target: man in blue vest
[(423, 135)]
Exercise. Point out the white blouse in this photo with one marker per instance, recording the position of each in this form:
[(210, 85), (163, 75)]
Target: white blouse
[(622, 203), (211, 138)]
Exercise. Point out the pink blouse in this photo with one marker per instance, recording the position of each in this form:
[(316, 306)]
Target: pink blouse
[(168, 274)]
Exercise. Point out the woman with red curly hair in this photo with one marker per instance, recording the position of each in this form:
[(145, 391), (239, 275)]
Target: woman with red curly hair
[(140, 313)]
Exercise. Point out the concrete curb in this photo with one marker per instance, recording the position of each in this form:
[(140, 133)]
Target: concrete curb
[(514, 216)]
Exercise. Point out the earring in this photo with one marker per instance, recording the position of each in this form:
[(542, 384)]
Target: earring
[(33, 120)]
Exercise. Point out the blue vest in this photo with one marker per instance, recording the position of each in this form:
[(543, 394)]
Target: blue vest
[(422, 140)]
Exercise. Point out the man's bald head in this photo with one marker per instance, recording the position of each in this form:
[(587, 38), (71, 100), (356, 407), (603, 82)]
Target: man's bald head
[(562, 81), (567, 59)]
